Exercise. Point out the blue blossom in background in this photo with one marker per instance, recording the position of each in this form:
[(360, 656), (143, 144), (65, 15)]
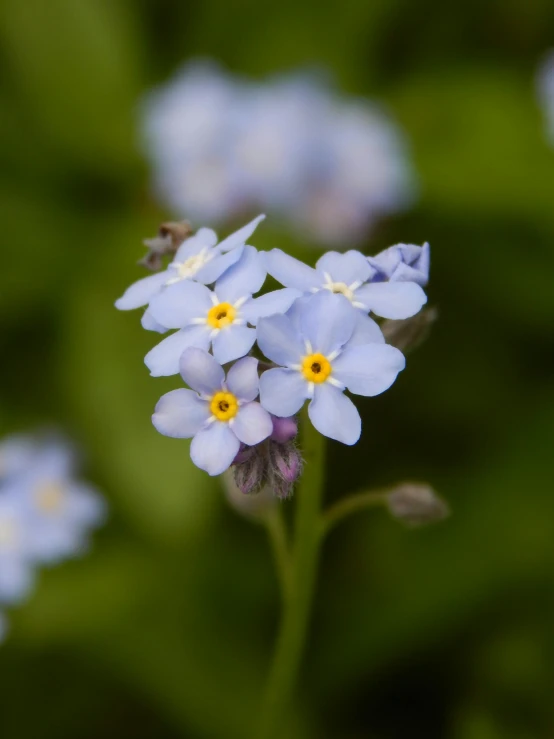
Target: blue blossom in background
[(59, 509), (316, 363), (221, 146), (16, 563), (3, 627), (218, 413), (46, 512)]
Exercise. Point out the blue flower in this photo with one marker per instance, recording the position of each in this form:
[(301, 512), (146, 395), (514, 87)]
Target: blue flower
[(199, 258), (402, 263), (58, 510), (217, 318), (16, 454), (348, 274), (318, 362), (218, 413), (16, 567)]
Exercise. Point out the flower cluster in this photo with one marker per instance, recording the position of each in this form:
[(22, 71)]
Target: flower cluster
[(45, 513), (222, 146), (311, 340)]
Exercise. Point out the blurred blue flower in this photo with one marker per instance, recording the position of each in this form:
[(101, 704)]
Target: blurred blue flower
[(3, 627), (16, 454), (16, 565), (328, 165), (318, 363), (218, 413), (199, 258), (59, 510), (349, 274), (217, 318)]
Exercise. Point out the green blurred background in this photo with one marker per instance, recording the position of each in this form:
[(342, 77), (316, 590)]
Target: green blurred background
[(165, 629)]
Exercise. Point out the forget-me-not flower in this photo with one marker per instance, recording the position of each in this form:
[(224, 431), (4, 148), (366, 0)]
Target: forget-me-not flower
[(217, 318), (348, 274), (16, 566), (59, 510), (402, 263), (16, 454), (218, 413), (199, 258), (318, 363)]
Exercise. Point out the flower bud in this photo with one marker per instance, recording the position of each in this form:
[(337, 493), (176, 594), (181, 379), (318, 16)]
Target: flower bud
[(284, 469), (254, 507), (249, 475), (416, 504), (284, 429)]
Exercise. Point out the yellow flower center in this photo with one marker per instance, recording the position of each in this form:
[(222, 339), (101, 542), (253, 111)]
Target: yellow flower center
[(49, 497), (316, 368), (224, 406), (221, 315), (340, 288)]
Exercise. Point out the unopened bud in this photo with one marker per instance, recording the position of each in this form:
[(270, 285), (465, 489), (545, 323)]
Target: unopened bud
[(416, 504), (169, 239), (409, 333), (249, 475), (284, 429), (285, 468)]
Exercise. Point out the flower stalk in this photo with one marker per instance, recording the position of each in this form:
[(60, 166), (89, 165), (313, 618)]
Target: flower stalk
[(298, 596)]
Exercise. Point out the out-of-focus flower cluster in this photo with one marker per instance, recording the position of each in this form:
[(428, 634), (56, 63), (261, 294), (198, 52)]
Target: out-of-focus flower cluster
[(311, 340), (545, 91), (223, 147), (46, 513)]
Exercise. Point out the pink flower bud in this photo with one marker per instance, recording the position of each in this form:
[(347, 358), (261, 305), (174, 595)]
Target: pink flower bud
[(284, 429)]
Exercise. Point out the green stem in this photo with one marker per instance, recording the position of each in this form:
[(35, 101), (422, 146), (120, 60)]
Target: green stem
[(352, 504), (277, 533), (298, 597)]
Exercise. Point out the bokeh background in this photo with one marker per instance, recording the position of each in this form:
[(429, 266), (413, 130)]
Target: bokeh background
[(165, 629)]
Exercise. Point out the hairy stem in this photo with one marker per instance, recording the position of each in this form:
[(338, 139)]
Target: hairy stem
[(299, 595)]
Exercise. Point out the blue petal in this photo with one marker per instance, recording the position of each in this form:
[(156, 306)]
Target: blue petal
[(283, 391), (217, 266), (203, 238), (327, 321), (242, 379), (232, 342), (181, 303), (180, 414), (150, 324), (16, 579), (290, 272), (142, 292), (241, 236), (366, 331), (243, 278), (163, 359), (334, 415), (278, 301), (392, 299), (348, 268), (213, 449), (370, 369), (252, 424), (279, 340), (201, 371)]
